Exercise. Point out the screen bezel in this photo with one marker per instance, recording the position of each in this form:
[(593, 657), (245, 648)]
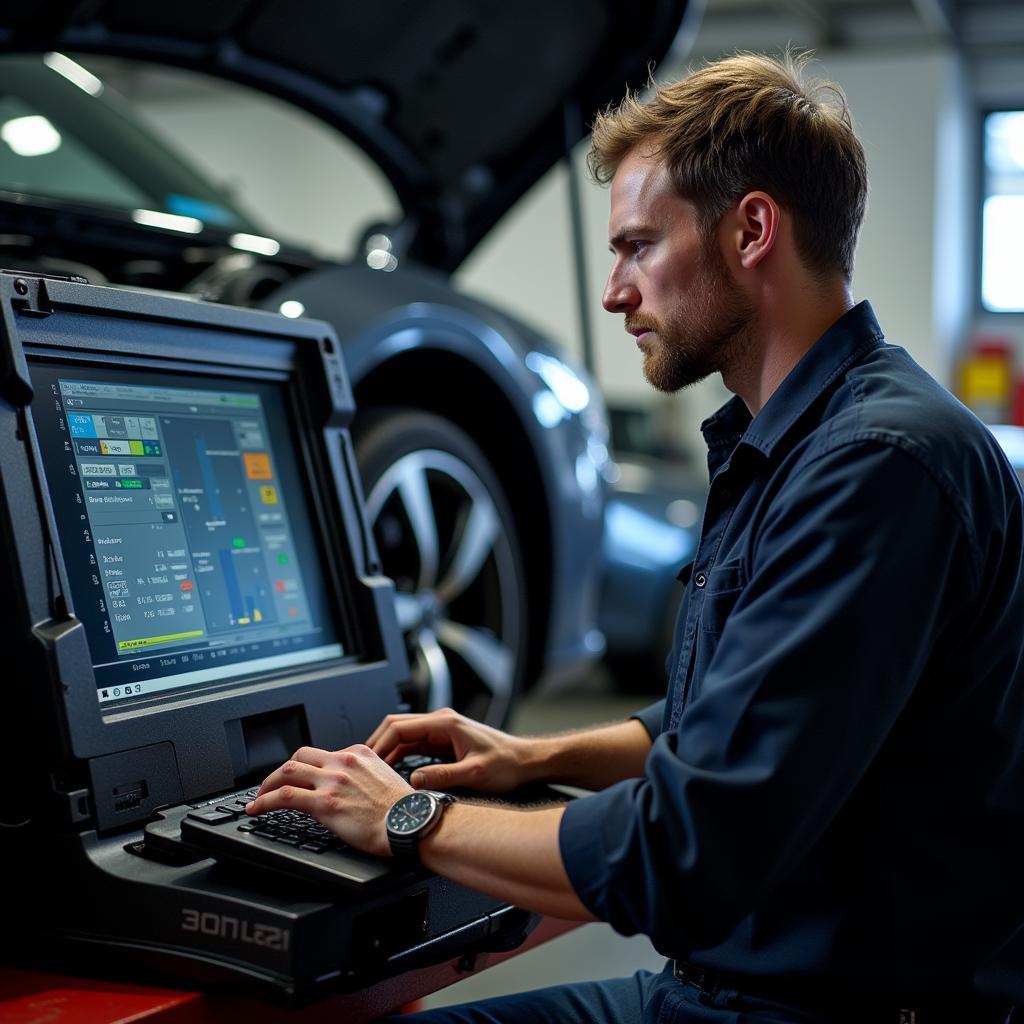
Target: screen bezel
[(205, 741)]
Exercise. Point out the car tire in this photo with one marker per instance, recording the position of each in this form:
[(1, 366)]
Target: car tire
[(446, 535)]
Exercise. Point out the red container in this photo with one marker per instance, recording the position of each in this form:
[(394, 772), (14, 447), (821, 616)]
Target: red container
[(1018, 402)]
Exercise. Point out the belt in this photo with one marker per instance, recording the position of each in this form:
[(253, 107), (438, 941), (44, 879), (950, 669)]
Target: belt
[(954, 1010)]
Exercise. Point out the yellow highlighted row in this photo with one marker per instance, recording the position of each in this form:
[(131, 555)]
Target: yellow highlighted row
[(117, 448), (148, 641)]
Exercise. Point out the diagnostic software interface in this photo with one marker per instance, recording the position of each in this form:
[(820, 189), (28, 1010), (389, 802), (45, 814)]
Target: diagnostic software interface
[(184, 527)]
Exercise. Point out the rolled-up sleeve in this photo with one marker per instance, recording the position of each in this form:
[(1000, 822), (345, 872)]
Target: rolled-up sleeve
[(651, 718), (814, 664)]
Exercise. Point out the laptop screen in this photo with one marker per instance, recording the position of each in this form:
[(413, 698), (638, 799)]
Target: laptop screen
[(184, 527)]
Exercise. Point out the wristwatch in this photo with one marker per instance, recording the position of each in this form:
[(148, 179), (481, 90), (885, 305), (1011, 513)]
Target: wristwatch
[(411, 818)]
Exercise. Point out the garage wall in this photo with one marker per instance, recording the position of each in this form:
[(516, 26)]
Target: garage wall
[(911, 122)]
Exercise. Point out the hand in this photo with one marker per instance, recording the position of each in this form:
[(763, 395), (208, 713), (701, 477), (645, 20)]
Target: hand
[(486, 759), (348, 791)]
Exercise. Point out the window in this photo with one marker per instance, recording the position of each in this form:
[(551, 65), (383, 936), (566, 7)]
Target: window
[(1002, 229)]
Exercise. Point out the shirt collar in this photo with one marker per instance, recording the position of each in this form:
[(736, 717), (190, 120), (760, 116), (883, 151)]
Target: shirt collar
[(844, 343)]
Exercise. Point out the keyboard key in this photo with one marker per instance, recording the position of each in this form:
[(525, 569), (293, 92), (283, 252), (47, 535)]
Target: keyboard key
[(213, 816)]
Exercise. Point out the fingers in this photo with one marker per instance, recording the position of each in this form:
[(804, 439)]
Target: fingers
[(311, 772), (311, 755), (467, 774), (392, 721), (386, 724), (288, 796), (402, 749), (435, 729), (291, 773)]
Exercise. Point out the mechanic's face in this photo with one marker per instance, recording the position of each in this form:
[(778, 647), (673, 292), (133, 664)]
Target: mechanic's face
[(689, 317)]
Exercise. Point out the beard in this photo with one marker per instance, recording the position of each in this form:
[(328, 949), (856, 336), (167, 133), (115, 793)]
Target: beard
[(705, 334)]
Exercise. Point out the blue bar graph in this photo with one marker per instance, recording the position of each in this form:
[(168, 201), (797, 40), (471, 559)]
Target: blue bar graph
[(209, 479), (227, 565)]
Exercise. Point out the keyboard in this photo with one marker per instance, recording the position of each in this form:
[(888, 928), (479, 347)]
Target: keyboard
[(291, 841), (287, 841)]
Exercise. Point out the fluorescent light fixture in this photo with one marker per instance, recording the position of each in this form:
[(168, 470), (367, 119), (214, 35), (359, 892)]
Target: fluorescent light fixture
[(291, 308), (32, 135), (1002, 281), (255, 243), (1004, 141), (170, 221), (74, 73)]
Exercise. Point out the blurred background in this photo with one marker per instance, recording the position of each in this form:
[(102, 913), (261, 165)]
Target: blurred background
[(936, 88), (933, 86)]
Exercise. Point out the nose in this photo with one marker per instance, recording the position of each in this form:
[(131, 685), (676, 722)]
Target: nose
[(620, 294)]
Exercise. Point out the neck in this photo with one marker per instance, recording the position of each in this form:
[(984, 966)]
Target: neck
[(787, 325)]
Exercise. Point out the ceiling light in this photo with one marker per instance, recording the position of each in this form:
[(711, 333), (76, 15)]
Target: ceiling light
[(255, 243), (74, 73), (30, 136), (170, 221), (381, 259)]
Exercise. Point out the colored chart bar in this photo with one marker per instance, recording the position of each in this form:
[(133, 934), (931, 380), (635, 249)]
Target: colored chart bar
[(227, 566), (149, 641), (209, 479)]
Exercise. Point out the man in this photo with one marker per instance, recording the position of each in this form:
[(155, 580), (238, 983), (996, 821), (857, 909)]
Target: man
[(824, 820)]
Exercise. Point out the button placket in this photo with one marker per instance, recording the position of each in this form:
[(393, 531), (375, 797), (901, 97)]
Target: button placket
[(714, 531)]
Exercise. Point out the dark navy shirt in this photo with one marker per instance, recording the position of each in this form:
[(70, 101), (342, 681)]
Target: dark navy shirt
[(835, 791)]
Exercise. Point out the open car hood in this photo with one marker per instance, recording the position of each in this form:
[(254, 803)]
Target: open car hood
[(464, 104)]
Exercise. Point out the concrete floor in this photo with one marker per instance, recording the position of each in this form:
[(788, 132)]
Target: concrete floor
[(591, 951)]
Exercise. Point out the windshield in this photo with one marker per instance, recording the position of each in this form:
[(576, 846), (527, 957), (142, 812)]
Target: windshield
[(63, 137)]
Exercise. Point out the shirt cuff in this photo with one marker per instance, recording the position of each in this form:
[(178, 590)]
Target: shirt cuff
[(651, 719), (581, 842)]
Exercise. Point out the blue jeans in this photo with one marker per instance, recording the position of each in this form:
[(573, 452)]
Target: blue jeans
[(645, 997)]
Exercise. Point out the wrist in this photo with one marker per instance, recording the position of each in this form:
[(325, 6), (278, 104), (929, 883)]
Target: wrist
[(440, 844), (537, 758)]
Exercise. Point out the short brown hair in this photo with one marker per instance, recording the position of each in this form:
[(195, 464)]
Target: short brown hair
[(750, 122)]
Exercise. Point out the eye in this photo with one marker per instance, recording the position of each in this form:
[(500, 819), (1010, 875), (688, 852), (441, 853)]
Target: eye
[(639, 245)]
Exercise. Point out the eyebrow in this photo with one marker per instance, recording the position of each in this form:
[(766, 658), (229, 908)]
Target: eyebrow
[(624, 233)]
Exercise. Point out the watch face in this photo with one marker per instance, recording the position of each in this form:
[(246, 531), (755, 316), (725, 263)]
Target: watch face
[(410, 813)]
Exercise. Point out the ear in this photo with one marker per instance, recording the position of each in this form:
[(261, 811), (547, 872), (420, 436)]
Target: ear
[(755, 226)]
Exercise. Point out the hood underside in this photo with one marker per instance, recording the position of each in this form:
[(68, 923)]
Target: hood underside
[(464, 104)]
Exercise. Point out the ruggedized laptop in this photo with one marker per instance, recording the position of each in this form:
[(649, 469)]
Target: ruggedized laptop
[(190, 593)]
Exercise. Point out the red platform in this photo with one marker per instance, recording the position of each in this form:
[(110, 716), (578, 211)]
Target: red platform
[(31, 997)]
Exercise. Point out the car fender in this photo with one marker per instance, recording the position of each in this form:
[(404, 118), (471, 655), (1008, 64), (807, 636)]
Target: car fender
[(387, 322)]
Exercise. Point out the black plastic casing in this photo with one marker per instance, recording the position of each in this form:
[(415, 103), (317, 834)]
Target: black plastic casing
[(83, 780)]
